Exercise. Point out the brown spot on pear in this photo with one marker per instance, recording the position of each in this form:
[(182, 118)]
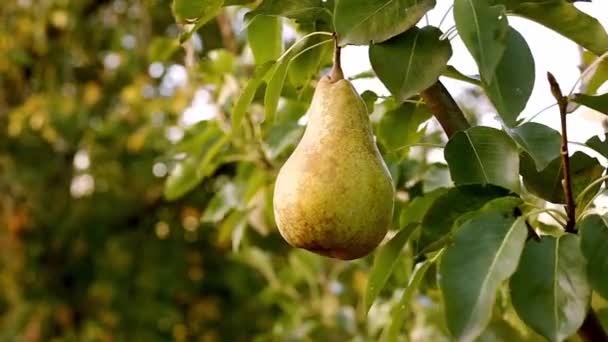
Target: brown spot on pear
[(334, 195)]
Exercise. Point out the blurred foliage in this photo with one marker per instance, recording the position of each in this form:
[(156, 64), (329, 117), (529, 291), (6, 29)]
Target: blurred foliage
[(131, 211), (92, 101)]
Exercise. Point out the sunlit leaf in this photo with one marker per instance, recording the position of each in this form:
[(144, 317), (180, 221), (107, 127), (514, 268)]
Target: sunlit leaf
[(264, 35), (244, 100), (201, 11), (398, 128), (301, 10), (564, 18)]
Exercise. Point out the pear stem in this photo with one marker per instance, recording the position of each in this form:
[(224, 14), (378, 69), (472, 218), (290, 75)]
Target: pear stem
[(336, 73)]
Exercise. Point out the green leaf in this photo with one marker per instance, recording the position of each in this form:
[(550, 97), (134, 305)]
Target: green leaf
[(439, 219), (595, 78), (360, 22), (398, 311), (201, 11), (384, 262), (483, 30), (452, 72), (547, 184), (190, 172), (550, 291), (306, 65), (411, 61), (594, 244), (161, 49), (370, 98), (564, 18), (598, 145), (599, 103), (303, 11), (273, 91), (398, 128), (264, 35), (483, 155), (484, 254), (281, 137), (246, 97), (416, 208), (541, 142), (509, 91)]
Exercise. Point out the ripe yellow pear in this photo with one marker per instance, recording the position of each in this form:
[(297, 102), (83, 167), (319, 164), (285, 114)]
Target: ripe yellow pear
[(334, 195)]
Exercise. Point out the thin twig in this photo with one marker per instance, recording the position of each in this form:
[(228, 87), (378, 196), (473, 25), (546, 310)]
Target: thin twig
[(445, 15), (562, 103), (591, 330), (228, 39)]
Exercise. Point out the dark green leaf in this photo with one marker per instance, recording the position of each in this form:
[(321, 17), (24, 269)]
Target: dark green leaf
[(547, 184), (440, 217), (484, 254), (360, 22), (244, 100), (594, 244), (410, 62), (566, 19), (541, 142), (415, 209), (550, 291), (369, 97), (264, 35), (599, 102), (384, 262), (391, 331), (483, 155), (452, 72), (509, 91), (483, 29), (598, 145), (300, 10), (201, 11), (398, 128)]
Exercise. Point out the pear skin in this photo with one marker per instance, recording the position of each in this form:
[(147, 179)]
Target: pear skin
[(334, 195)]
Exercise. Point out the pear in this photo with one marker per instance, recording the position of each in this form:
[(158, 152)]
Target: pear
[(334, 195)]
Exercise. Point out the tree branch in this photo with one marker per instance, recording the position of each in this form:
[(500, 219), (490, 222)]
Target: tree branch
[(227, 33), (591, 330), (562, 103), (445, 109)]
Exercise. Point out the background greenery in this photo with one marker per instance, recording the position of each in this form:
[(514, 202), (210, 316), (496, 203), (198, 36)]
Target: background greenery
[(122, 220)]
